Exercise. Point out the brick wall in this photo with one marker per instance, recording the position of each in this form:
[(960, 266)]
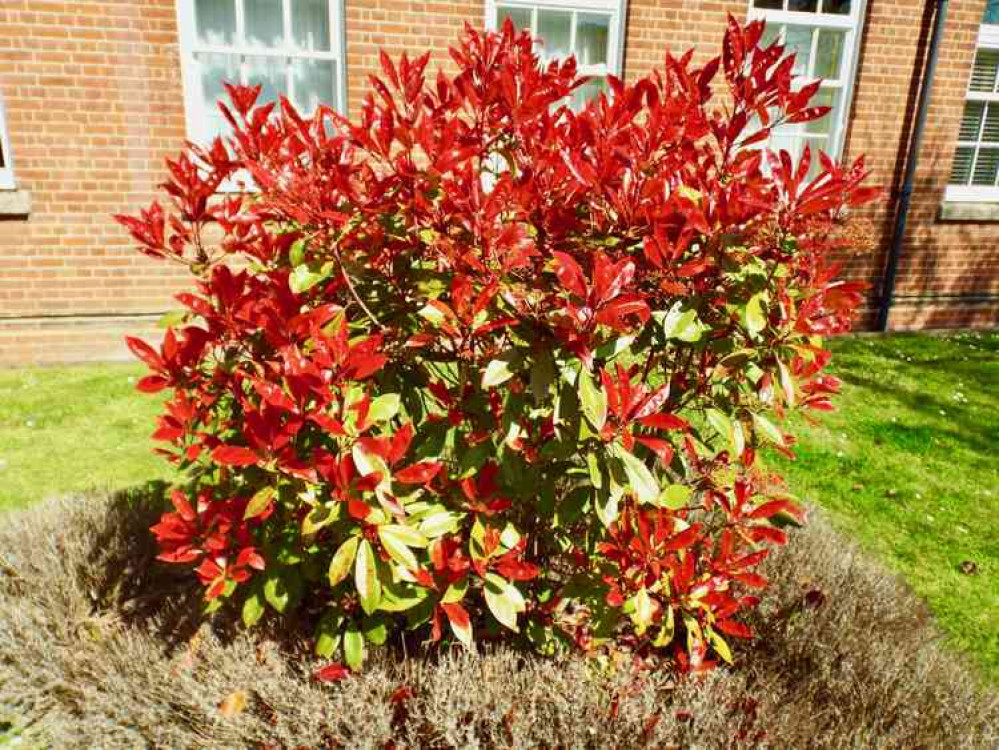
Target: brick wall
[(94, 103)]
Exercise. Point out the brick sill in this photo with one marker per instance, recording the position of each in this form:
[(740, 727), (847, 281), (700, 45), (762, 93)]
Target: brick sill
[(15, 204), (967, 211)]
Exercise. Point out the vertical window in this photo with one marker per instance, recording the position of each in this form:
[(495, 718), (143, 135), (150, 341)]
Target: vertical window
[(6, 165), (974, 174), (289, 47), (592, 30), (823, 36)]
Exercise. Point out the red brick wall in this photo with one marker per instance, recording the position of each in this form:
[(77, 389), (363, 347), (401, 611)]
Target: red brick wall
[(938, 258), (94, 103)]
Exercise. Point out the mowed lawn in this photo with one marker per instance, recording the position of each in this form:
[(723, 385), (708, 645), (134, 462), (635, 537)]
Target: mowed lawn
[(909, 465)]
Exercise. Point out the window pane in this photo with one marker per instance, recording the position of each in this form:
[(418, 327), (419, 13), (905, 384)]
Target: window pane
[(268, 72), (824, 98), (986, 167), (555, 29), (804, 6), (771, 34), (971, 121), (991, 12), (589, 90), (310, 24), (521, 17), (214, 69), (798, 41), (216, 21), (839, 7), (592, 32), (983, 74), (961, 171), (264, 23), (315, 84), (990, 133), (829, 54), (769, 4)]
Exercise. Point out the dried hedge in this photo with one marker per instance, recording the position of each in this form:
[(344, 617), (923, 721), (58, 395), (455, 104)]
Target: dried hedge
[(98, 649)]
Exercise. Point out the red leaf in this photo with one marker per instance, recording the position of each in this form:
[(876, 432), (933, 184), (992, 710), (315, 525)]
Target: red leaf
[(660, 447), (334, 672), (734, 628), (570, 275), (419, 473), (684, 539), (234, 455), (145, 352), (664, 422)]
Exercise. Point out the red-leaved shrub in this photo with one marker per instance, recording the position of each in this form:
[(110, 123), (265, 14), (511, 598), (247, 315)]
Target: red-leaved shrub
[(487, 365)]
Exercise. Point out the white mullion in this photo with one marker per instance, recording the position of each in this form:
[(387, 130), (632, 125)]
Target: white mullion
[(289, 78), (978, 147), (243, 66), (813, 52), (572, 32), (263, 52)]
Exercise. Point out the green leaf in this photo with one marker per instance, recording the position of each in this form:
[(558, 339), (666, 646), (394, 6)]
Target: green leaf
[(605, 503), (328, 635), (755, 315), (682, 324), (593, 400), (253, 609), (504, 600), (296, 253), (729, 429), (542, 376), (666, 630), (720, 646), (353, 647), (455, 592), (499, 370), (432, 314), (258, 503), (768, 429), (642, 616), (786, 382), (439, 523), (342, 560), (375, 630), (369, 588), (675, 496), (641, 480), (303, 278), (397, 540), (383, 408), (401, 597), (276, 592)]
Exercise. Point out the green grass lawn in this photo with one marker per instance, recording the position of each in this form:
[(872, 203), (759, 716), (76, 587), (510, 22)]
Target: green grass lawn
[(65, 429), (908, 466)]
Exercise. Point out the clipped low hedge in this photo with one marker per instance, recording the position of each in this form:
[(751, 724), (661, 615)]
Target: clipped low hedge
[(99, 648)]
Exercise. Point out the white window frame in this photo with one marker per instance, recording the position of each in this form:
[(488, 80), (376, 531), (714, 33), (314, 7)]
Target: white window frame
[(190, 46), (988, 38), (7, 170), (615, 43), (853, 24)]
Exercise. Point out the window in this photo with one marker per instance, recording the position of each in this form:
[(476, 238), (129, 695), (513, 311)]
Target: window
[(974, 175), (6, 165), (290, 47), (823, 36), (592, 30)]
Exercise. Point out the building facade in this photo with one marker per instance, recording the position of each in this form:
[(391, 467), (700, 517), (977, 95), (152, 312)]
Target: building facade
[(95, 93)]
